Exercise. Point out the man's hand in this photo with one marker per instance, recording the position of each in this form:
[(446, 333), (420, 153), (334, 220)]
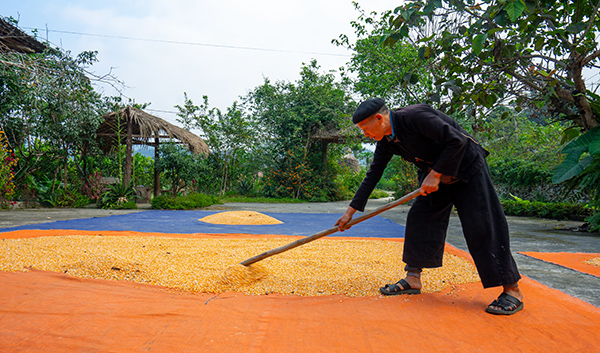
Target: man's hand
[(346, 217), (431, 183)]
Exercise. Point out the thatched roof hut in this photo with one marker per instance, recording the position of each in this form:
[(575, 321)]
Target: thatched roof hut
[(335, 135), (12, 39), (136, 127), (145, 129)]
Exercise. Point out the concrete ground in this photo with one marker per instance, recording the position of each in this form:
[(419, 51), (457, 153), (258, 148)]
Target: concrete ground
[(527, 234)]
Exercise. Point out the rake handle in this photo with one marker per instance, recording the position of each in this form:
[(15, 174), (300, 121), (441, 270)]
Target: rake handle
[(329, 231)]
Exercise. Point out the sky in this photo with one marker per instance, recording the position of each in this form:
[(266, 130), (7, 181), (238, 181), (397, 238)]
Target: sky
[(221, 48)]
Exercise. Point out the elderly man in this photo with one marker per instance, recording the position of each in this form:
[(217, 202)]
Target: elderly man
[(452, 172)]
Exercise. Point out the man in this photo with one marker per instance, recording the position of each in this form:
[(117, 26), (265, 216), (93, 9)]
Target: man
[(452, 172)]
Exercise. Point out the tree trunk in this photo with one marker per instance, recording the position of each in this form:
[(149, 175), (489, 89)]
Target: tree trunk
[(128, 149), (156, 170), (583, 106), (224, 180)]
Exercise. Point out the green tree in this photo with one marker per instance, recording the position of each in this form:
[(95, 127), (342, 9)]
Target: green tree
[(394, 74), (49, 110), (523, 152), (231, 136), (528, 52), (403, 175), (291, 114), (50, 113), (178, 165)]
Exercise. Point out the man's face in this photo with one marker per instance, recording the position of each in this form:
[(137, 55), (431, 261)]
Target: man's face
[(373, 127)]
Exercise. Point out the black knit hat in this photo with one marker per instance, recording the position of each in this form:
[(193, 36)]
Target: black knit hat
[(366, 109)]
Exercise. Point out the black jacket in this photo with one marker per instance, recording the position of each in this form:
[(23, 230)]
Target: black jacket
[(427, 138)]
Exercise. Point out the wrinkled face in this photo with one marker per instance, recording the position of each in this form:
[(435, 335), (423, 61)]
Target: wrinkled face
[(373, 127)]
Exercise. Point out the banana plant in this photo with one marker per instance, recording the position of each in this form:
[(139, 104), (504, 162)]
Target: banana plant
[(581, 168)]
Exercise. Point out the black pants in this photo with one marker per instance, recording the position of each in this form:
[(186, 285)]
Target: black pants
[(484, 227)]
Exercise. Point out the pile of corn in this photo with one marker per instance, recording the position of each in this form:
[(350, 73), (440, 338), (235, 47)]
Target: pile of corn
[(328, 266), (594, 262), (240, 218)]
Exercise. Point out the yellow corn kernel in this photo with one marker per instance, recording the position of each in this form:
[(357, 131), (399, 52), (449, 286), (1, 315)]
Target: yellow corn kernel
[(240, 218), (351, 267), (594, 262)]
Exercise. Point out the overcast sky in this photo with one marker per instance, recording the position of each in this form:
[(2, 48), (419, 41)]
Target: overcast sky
[(161, 49)]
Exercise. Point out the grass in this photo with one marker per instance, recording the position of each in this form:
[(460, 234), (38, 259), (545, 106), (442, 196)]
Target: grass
[(185, 202)]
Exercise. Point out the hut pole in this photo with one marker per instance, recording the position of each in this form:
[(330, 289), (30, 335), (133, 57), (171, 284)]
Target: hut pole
[(129, 148), (156, 171)]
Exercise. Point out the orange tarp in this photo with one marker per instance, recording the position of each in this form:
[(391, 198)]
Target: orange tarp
[(575, 261), (50, 312), (54, 312)]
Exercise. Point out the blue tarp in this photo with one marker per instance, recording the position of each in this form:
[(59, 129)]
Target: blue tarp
[(187, 222)]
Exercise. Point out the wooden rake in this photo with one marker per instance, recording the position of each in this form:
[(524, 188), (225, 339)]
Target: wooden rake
[(331, 230)]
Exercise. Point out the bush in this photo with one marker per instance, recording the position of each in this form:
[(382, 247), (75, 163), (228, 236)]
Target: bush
[(321, 188), (248, 185), (118, 196), (7, 164), (386, 184), (378, 194), (405, 188), (559, 210), (294, 176), (245, 199), (93, 186), (69, 198), (185, 202), (347, 182), (518, 172), (60, 197), (128, 205), (403, 176)]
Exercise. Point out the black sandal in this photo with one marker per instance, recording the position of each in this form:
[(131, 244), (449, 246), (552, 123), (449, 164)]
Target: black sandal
[(507, 303), (395, 289)]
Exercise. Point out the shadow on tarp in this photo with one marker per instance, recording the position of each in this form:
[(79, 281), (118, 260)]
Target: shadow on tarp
[(187, 222)]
